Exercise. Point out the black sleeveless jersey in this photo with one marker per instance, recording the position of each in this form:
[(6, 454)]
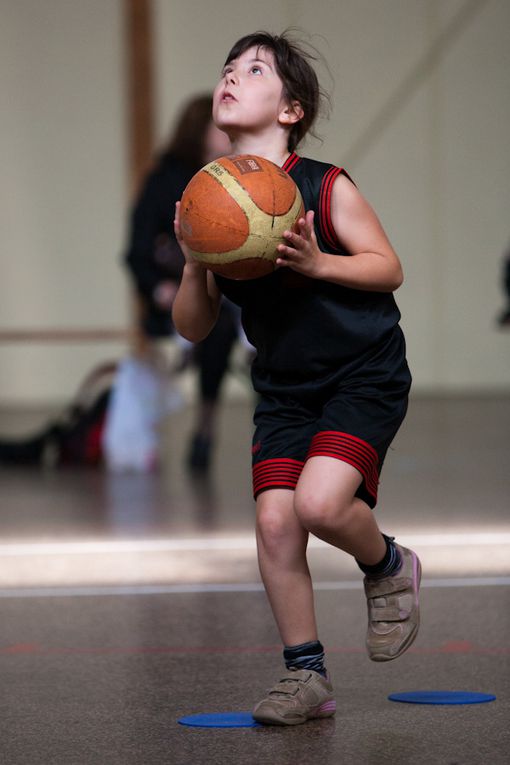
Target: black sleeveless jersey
[(309, 332)]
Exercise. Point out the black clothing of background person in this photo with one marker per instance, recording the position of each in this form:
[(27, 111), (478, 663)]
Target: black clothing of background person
[(153, 255), (504, 316)]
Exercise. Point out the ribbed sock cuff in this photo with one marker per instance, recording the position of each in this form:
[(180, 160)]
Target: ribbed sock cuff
[(388, 566), (305, 656)]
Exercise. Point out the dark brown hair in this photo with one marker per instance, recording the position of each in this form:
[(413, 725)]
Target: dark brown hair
[(187, 141), (299, 79)]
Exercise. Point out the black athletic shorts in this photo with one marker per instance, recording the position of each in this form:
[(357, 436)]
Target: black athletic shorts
[(355, 421)]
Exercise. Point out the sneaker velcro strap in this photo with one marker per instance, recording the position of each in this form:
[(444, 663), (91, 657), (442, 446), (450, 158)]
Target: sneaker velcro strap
[(388, 586), (289, 686), (286, 689), (392, 608), (388, 614)]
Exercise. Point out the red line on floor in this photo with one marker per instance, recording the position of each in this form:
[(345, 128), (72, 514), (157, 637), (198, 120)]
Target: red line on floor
[(452, 647)]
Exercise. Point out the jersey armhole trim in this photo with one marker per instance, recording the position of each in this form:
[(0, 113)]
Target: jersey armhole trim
[(325, 221)]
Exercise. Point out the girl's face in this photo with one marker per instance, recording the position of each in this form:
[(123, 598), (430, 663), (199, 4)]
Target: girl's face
[(249, 96)]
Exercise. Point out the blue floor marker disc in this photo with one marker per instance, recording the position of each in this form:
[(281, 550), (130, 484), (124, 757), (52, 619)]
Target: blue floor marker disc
[(442, 697), (221, 720)]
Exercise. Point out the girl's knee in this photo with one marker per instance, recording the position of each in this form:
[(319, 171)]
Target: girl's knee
[(271, 524), (316, 511), (278, 530)]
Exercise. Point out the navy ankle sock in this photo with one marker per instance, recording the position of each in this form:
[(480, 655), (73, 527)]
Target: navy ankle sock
[(389, 565), (305, 656)]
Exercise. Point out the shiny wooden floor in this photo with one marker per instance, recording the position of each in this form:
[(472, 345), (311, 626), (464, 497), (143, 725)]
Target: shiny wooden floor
[(128, 601)]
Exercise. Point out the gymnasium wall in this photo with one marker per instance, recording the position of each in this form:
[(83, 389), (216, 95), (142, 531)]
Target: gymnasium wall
[(420, 118), (63, 189)]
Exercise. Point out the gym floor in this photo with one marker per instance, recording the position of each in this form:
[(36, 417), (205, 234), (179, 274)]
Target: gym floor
[(130, 601)]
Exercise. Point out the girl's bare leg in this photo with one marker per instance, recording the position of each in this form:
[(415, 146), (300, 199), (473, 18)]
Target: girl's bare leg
[(281, 545), (325, 505)]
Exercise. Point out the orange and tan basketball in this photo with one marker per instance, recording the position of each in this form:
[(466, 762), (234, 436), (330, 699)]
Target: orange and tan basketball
[(234, 212)]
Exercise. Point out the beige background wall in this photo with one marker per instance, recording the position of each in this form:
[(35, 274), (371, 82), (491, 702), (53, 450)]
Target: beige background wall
[(63, 187), (421, 116)]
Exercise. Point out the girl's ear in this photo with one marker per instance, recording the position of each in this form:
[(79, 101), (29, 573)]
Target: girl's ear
[(291, 113)]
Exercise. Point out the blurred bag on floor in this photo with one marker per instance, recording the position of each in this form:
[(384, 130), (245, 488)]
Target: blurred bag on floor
[(72, 438), (143, 393)]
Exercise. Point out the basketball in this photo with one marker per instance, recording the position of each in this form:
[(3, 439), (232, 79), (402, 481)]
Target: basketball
[(233, 214)]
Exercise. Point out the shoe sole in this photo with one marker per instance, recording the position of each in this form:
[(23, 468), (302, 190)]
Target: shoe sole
[(412, 637)]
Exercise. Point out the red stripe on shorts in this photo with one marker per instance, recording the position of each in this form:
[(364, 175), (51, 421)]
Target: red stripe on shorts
[(354, 451), (276, 474)]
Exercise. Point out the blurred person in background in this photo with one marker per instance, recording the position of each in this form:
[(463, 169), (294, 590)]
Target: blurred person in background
[(504, 316), (155, 263)]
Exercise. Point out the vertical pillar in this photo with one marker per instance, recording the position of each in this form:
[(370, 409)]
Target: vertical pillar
[(140, 121), (140, 88)]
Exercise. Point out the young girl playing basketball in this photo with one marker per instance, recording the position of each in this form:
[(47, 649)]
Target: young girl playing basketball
[(330, 373)]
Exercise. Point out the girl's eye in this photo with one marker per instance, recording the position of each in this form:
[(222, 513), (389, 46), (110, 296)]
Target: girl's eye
[(256, 70)]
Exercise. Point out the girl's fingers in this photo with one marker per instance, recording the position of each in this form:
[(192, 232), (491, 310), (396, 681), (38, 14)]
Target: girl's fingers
[(177, 227)]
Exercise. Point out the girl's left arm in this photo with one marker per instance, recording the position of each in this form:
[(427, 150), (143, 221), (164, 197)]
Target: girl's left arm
[(372, 265)]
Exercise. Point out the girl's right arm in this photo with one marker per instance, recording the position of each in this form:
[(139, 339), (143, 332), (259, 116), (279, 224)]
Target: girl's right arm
[(197, 303)]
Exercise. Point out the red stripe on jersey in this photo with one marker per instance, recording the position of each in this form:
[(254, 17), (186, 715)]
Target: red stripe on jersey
[(276, 474), (291, 162), (352, 450), (325, 220)]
